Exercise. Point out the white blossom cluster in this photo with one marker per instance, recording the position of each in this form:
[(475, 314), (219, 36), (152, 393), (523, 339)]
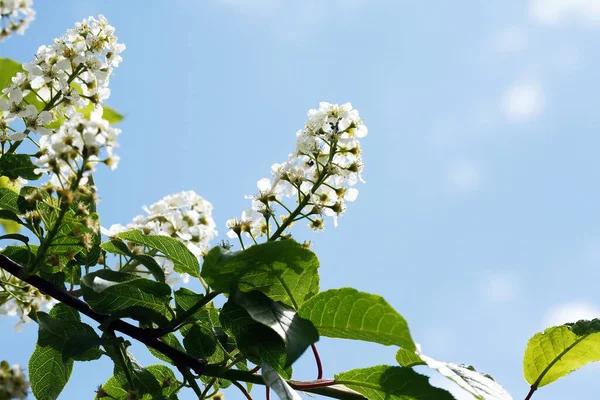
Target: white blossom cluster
[(77, 138), (17, 299), (320, 174), (15, 16), (13, 383), (185, 216), (63, 78)]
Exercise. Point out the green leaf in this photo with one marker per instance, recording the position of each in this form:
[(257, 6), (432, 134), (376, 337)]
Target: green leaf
[(296, 332), (18, 165), (11, 216), (118, 247), (258, 342), (108, 291), (200, 342), (481, 386), (391, 383), (284, 270), (184, 260), (8, 69), (22, 255), (172, 341), (408, 358), (561, 350), (9, 200), (278, 384), (75, 340), (186, 299), (349, 314), (48, 372)]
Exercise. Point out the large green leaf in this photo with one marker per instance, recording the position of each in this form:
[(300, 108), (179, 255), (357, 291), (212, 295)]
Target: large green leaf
[(201, 342), (561, 350), (9, 68), (48, 371), (391, 383), (17, 165), (75, 340), (296, 332), (259, 343), (481, 386), (116, 388), (109, 291), (176, 251), (118, 247), (284, 270), (349, 314)]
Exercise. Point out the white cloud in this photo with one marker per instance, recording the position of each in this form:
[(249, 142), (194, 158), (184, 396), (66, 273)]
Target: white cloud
[(499, 287), (523, 101), (464, 176), (558, 11), (570, 312), (510, 40)]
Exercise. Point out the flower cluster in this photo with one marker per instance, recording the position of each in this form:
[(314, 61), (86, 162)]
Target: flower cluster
[(185, 216), (320, 174), (65, 76), (13, 383), (76, 140), (15, 16), (18, 299)]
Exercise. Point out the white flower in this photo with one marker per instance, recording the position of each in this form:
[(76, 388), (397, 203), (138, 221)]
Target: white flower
[(325, 164), (185, 216)]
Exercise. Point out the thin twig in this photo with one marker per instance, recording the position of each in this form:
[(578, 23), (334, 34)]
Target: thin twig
[(242, 389), (318, 360)]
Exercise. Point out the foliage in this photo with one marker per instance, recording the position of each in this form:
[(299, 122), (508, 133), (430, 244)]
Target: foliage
[(272, 308)]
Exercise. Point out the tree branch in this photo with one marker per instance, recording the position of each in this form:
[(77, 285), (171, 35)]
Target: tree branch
[(145, 336), (180, 359)]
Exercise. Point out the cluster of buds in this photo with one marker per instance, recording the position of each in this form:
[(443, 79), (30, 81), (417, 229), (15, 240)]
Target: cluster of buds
[(319, 174), (13, 383), (15, 16), (18, 299), (185, 216)]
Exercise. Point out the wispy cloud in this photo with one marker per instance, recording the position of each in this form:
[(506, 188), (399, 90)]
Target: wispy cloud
[(510, 40), (523, 101), (570, 312), (559, 11), (499, 286), (464, 176)]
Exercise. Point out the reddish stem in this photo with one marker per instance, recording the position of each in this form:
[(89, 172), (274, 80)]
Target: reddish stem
[(242, 389), (318, 360), (255, 369), (267, 393)]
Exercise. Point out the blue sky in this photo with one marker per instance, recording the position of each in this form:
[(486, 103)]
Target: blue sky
[(479, 218)]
